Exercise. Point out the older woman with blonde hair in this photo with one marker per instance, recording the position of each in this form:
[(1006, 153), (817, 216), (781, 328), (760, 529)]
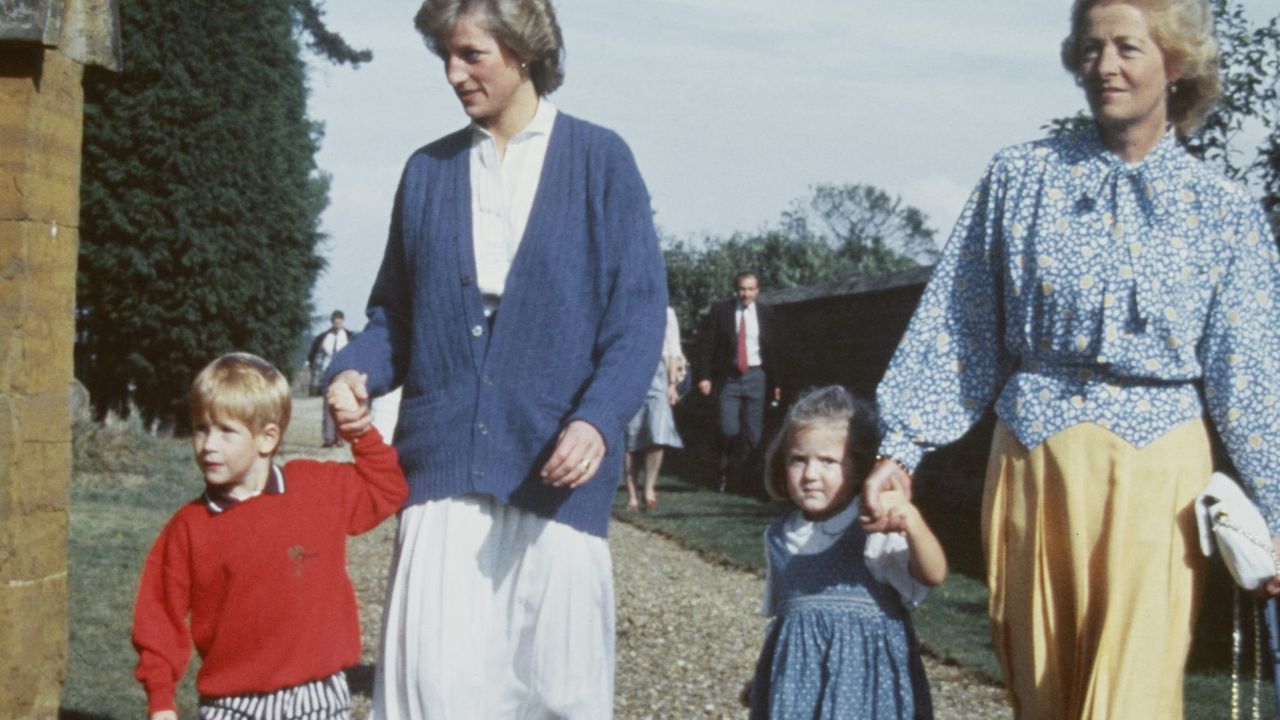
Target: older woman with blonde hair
[(520, 303), (1107, 291)]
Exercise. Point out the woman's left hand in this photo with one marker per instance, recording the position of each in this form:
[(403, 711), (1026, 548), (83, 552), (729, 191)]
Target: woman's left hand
[(577, 456), (1272, 588)]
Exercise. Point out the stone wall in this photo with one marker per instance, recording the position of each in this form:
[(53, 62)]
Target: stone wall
[(41, 107)]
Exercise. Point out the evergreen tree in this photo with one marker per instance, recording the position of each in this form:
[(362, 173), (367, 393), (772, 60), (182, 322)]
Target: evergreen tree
[(200, 198)]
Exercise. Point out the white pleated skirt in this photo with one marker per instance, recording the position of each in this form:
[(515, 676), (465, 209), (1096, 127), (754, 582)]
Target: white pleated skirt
[(495, 612)]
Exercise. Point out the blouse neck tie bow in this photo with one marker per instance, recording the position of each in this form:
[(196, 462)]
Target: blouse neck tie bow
[(1143, 185), (1134, 200)]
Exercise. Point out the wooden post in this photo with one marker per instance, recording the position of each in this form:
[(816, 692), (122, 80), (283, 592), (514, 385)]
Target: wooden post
[(41, 115)]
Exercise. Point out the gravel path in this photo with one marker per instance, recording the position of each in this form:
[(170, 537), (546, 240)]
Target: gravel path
[(688, 629)]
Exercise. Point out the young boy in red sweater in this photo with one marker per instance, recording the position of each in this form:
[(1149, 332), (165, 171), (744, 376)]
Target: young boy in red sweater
[(259, 561)]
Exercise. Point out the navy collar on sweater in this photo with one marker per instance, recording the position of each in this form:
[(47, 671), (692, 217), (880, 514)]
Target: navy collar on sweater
[(219, 503)]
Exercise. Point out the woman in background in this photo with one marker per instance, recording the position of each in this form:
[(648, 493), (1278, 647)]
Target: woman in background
[(654, 428)]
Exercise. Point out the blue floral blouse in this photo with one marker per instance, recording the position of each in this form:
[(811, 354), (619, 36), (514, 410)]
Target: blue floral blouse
[(1081, 288)]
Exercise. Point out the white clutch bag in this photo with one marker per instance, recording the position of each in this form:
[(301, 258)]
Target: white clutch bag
[(1230, 522)]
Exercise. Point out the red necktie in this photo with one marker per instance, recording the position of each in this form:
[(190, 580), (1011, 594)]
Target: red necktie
[(742, 343)]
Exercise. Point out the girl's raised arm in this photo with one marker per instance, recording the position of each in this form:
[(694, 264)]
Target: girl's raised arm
[(928, 561)]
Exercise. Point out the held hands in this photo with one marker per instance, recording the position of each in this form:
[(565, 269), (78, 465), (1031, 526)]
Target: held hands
[(898, 511), (704, 387), (887, 476), (348, 400), (577, 456)]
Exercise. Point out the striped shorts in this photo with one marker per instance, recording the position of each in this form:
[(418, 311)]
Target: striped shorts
[(323, 699)]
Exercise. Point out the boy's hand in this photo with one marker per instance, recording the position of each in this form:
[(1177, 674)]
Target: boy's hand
[(348, 400), (164, 715)]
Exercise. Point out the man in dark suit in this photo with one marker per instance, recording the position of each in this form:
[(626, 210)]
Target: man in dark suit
[(323, 348), (737, 350)]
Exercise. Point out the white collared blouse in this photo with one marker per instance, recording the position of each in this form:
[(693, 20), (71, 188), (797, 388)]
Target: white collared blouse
[(502, 193), (886, 555), (1079, 288)]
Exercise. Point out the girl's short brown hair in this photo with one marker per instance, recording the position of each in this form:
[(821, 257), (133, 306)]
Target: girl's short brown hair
[(830, 406)]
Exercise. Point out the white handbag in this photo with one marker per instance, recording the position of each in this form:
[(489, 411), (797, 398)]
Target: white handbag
[(1230, 522)]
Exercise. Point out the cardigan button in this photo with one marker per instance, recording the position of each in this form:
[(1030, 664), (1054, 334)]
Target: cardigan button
[(477, 331), (466, 280), (484, 429)]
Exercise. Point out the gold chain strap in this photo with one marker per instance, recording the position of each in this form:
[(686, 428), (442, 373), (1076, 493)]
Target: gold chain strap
[(1235, 655), (1236, 636), (1257, 659), (1224, 519)]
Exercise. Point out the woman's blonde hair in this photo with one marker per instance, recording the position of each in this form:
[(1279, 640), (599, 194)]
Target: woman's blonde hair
[(830, 406), (527, 28), (1183, 30), (241, 387)]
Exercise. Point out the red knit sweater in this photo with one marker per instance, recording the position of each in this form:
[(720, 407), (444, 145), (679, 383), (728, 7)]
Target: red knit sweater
[(264, 582)]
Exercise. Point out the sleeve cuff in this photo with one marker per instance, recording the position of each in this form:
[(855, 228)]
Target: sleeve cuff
[(371, 438), (161, 698), (899, 447), (593, 419)]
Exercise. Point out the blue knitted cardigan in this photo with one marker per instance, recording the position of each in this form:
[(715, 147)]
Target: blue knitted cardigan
[(577, 336)]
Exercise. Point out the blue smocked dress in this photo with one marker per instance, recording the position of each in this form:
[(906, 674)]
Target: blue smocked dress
[(841, 643)]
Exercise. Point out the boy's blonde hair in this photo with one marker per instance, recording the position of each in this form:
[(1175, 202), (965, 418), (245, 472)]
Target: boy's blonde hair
[(830, 406), (242, 387)]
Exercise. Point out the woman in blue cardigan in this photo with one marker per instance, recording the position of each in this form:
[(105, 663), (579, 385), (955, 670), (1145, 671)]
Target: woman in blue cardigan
[(521, 304)]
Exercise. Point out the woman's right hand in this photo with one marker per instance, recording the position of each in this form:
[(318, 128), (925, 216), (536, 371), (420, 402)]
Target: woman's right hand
[(886, 476), (351, 422), (164, 715)]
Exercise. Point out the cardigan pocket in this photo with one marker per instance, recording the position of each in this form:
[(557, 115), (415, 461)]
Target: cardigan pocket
[(433, 430), (531, 423)]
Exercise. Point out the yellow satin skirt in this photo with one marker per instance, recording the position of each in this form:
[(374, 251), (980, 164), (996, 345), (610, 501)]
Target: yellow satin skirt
[(1094, 569)]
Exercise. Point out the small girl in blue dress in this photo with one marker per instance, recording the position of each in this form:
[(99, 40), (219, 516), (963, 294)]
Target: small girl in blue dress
[(840, 644)]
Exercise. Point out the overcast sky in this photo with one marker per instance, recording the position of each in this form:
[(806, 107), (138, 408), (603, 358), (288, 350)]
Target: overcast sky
[(733, 108)]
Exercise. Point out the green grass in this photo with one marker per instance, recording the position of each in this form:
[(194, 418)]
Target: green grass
[(115, 516), (952, 623)]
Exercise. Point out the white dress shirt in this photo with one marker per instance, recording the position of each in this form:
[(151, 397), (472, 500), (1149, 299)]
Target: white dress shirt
[(502, 193)]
